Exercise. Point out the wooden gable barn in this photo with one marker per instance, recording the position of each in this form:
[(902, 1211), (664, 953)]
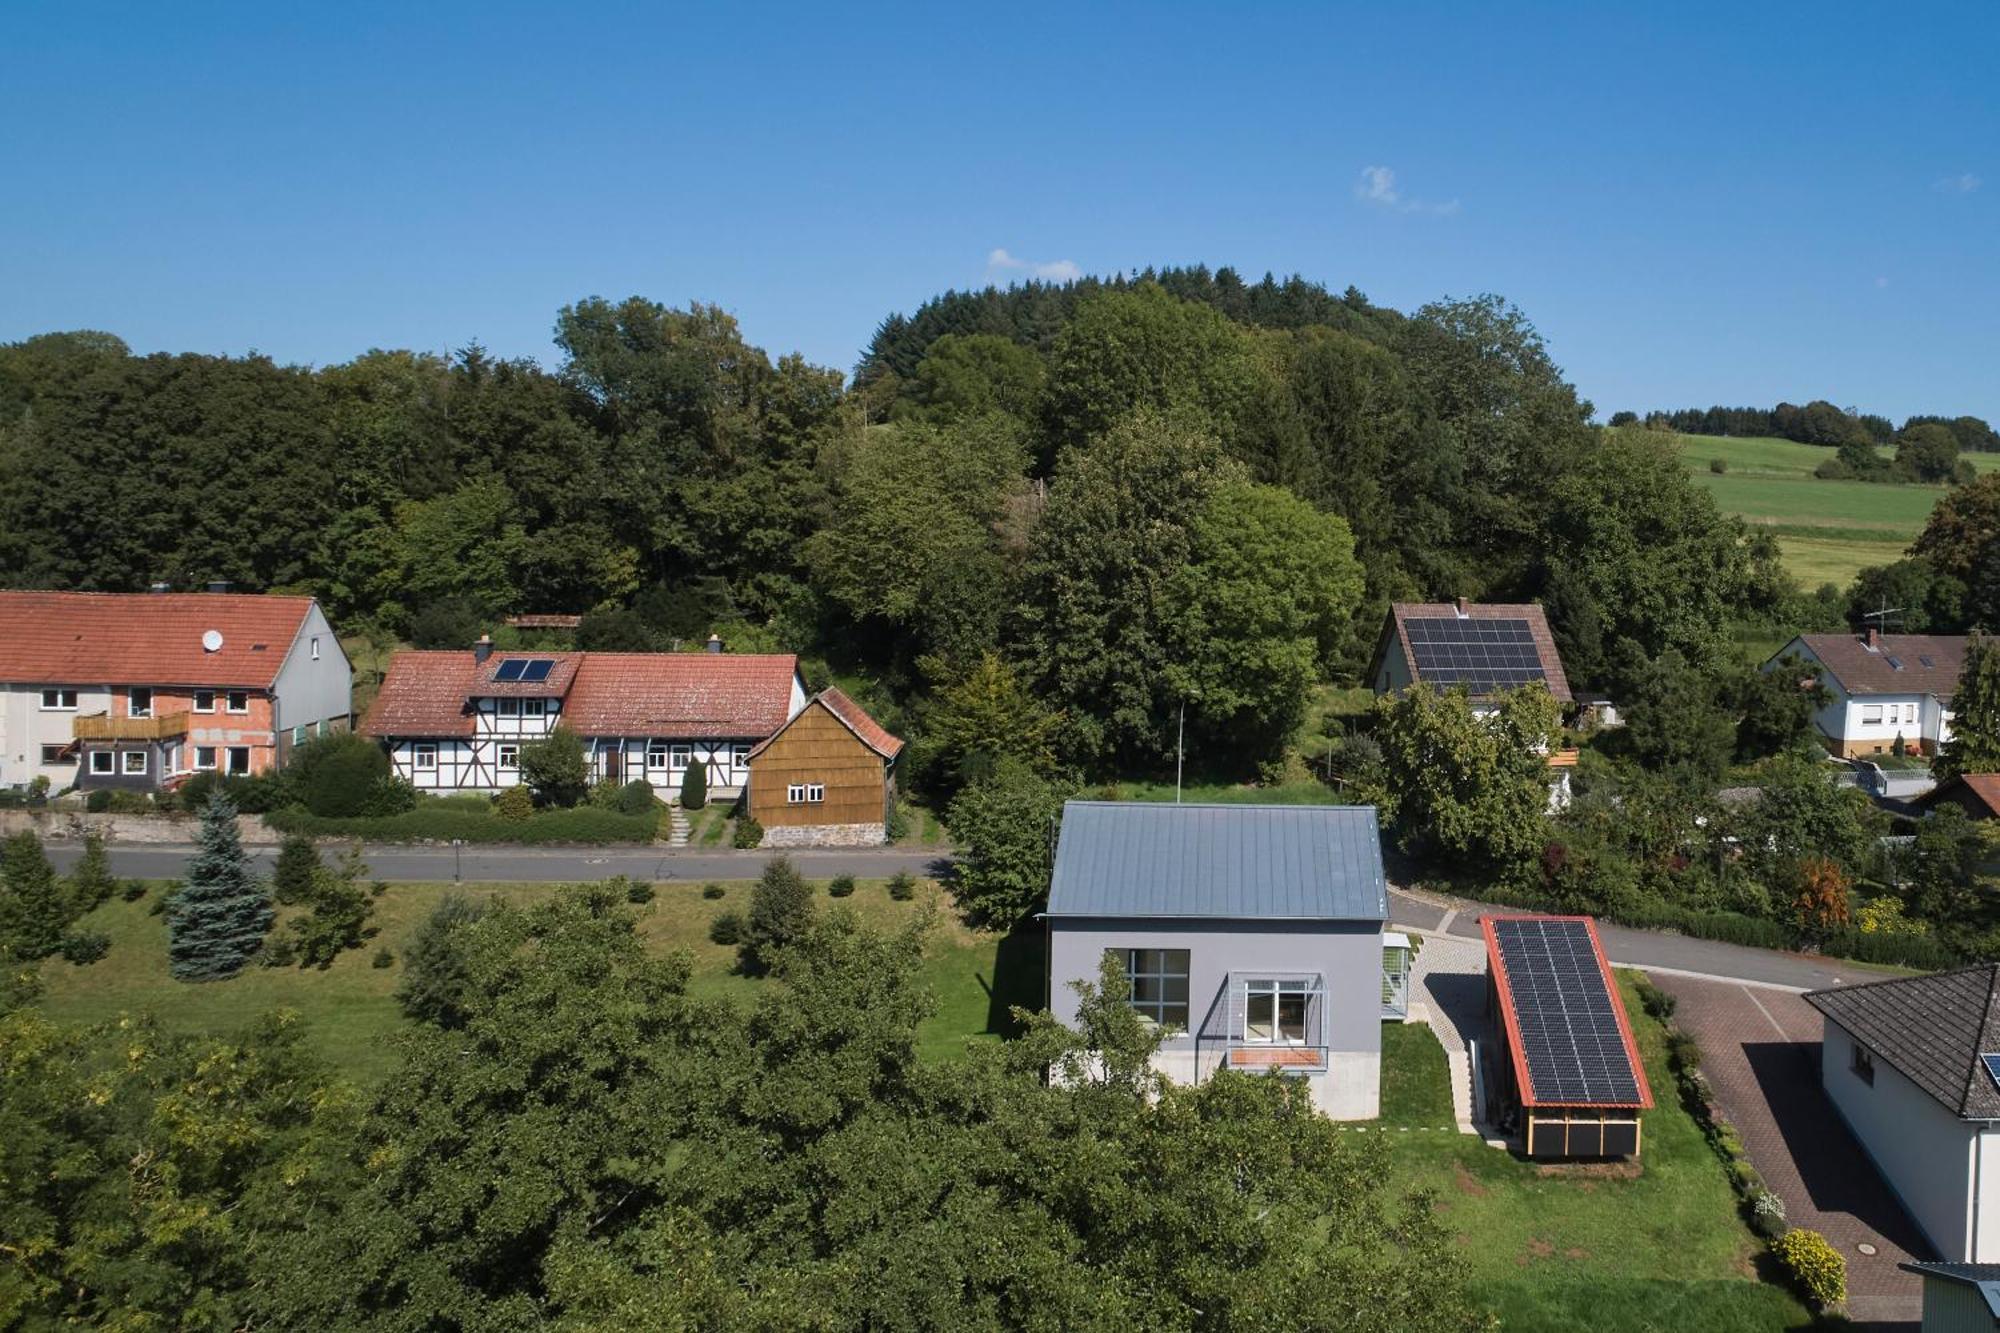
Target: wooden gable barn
[(826, 778)]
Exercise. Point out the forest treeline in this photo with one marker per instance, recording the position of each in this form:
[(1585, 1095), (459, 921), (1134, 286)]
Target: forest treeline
[(1818, 422), (1125, 496)]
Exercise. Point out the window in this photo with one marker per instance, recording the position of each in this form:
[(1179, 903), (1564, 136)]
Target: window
[(298, 735), (815, 792), (424, 756), (1274, 1012), (53, 754), (239, 759), (58, 701), (204, 755), (170, 762), (656, 754), (683, 755), (100, 761), (204, 701), (1871, 713), (534, 707), (135, 763), (510, 756), (1909, 712), (319, 727), (739, 756), (139, 702), (238, 701), (1863, 1064), (315, 647), (795, 794), (1159, 979), (510, 708)]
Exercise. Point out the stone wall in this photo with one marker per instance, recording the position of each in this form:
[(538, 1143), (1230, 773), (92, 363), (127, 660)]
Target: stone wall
[(72, 825), (826, 835)]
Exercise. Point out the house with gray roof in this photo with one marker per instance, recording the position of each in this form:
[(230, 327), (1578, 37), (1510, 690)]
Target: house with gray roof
[(1913, 1067), (1959, 1298), (1251, 934), (1883, 688)]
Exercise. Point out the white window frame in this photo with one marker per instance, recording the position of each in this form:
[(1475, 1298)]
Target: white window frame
[(795, 794), (502, 761), (209, 766), (534, 708), (315, 647), (127, 768), (230, 697), (110, 767), (424, 756), (815, 793), (1272, 992), (170, 760), (52, 755), (1149, 974), (507, 707), (56, 699), (658, 755), (201, 707), (233, 751), (132, 708), (680, 756), (1874, 721)]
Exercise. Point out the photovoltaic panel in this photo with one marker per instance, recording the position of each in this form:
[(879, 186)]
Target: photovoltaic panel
[(510, 669), (1482, 655), (1992, 1063), (1571, 1041)]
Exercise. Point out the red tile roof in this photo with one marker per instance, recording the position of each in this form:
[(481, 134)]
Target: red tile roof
[(852, 716), (1538, 630), (679, 695), (1983, 787), (562, 671), (545, 620), (146, 638)]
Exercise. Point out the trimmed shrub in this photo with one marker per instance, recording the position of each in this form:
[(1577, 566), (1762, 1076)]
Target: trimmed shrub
[(638, 891), (635, 798), (1818, 1268), (383, 958), (727, 928), (711, 890), (902, 886), (840, 886), (334, 776), (133, 891), (694, 786), (85, 946), (98, 801), (749, 833), (516, 805)]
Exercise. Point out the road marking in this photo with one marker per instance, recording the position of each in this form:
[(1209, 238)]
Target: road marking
[(1444, 926), (1782, 1034)]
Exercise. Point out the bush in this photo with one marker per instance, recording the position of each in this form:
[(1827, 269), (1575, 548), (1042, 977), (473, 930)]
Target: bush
[(383, 958), (279, 951), (516, 805), (435, 972), (1817, 1268), (1001, 824), (1767, 1213), (85, 946), (902, 886), (257, 793), (635, 798), (711, 890), (437, 822), (898, 826), (133, 891), (749, 833), (638, 891), (292, 878), (840, 886), (335, 775), (1718, 466), (98, 801), (604, 795), (340, 910), (556, 769), (389, 796), (90, 882), (694, 786), (727, 928), (781, 910)]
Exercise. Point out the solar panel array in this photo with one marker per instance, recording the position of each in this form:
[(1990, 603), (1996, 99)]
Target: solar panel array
[(527, 669), (1482, 655), (1992, 1063), (1570, 1038)]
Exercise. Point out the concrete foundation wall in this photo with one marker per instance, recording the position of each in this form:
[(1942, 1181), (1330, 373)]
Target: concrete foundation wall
[(72, 825)]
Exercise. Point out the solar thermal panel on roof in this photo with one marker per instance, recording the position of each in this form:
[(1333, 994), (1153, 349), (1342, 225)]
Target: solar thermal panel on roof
[(510, 669), (1571, 1040), (537, 669)]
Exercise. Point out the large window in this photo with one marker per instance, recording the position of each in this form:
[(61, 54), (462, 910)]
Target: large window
[(1159, 979), (135, 762), (101, 762), (58, 701), (1274, 1012)]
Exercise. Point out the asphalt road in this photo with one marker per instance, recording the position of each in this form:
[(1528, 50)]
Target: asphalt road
[(1626, 947)]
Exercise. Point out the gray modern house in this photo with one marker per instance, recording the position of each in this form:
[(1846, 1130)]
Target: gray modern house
[(1251, 933)]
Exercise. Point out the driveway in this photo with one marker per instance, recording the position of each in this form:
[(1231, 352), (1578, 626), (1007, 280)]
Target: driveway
[(1760, 1050)]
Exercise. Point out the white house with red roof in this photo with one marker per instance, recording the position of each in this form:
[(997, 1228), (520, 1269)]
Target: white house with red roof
[(456, 720), (139, 690)]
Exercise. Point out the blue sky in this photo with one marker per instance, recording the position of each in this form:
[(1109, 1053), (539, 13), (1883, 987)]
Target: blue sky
[(1734, 204)]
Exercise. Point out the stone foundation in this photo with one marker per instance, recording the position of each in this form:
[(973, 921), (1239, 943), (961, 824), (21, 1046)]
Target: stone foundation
[(72, 825), (825, 835)]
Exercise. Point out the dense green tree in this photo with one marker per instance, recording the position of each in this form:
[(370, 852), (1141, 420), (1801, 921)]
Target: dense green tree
[(1004, 826), (1464, 784), (33, 915), (1919, 598), (1676, 719), (1802, 811), (964, 376), (334, 775), (1775, 708), (1974, 746), (219, 915), (1962, 539), (617, 631), (984, 715), (556, 768), (1945, 866), (340, 907), (90, 882), (437, 969), (781, 909), (1928, 452), (295, 875)]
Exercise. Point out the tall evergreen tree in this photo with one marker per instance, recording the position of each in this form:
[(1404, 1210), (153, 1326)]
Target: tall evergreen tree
[(1974, 746), (220, 916), (31, 908)]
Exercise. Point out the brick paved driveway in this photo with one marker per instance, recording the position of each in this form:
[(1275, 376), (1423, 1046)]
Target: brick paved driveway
[(1760, 1050)]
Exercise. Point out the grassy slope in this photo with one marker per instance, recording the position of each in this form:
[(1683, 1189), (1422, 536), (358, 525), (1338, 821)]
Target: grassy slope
[(352, 1012), (1578, 1248)]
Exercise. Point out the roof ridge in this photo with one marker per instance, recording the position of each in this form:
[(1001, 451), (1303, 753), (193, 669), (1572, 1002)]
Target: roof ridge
[(1880, 982)]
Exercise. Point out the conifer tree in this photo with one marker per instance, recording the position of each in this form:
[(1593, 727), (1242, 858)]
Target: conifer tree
[(90, 882), (292, 880), (694, 786), (31, 908), (219, 917), (1974, 746)]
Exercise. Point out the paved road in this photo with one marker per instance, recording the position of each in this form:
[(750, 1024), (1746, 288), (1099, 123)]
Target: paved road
[(547, 865)]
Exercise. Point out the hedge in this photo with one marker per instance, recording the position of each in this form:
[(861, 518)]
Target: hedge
[(584, 824)]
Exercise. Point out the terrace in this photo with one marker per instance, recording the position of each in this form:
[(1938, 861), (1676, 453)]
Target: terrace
[(104, 727)]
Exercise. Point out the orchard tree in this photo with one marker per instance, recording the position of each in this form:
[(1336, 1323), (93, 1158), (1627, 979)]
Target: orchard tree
[(219, 916), (1466, 785), (1962, 539)]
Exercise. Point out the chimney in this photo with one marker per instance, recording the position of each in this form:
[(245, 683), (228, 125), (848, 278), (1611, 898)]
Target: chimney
[(483, 649), (714, 644), (1874, 638), (218, 585)]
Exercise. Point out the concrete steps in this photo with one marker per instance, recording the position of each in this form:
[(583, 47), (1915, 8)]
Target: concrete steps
[(682, 827)]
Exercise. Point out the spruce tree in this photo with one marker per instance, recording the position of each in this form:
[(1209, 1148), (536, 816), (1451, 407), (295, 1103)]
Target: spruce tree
[(219, 917), (781, 910), (1974, 746), (293, 879), (31, 908), (90, 880)]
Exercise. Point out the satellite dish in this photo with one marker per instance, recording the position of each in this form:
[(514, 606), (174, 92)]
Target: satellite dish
[(211, 640)]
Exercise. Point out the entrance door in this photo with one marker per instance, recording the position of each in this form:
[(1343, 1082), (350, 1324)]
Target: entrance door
[(1275, 1013), (611, 758)]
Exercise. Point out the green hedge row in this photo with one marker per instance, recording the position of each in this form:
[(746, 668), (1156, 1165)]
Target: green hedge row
[(431, 824)]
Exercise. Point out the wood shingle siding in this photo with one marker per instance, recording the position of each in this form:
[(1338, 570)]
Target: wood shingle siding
[(819, 749)]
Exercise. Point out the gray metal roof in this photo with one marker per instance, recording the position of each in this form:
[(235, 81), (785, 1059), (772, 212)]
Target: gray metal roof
[(1983, 1278), (1238, 862)]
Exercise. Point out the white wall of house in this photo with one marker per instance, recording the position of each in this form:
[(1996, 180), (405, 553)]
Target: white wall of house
[(1869, 720), (1928, 1156), (664, 761), (26, 727), (316, 683), (1394, 673), (1346, 955)]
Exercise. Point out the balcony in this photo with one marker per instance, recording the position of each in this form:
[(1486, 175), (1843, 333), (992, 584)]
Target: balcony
[(104, 727), (1268, 1021)]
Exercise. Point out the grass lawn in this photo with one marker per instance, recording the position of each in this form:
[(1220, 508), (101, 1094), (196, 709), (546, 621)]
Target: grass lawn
[(710, 826), (1218, 793), (352, 1013), (1583, 1247)]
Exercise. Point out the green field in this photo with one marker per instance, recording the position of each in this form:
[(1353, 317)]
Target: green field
[(1583, 1247), (1828, 530), (351, 1011)]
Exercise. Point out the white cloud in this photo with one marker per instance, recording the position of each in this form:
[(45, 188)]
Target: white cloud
[(1055, 270), (1377, 186), (1963, 183)]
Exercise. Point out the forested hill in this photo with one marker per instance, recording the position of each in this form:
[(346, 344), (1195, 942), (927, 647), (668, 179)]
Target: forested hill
[(1103, 500)]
